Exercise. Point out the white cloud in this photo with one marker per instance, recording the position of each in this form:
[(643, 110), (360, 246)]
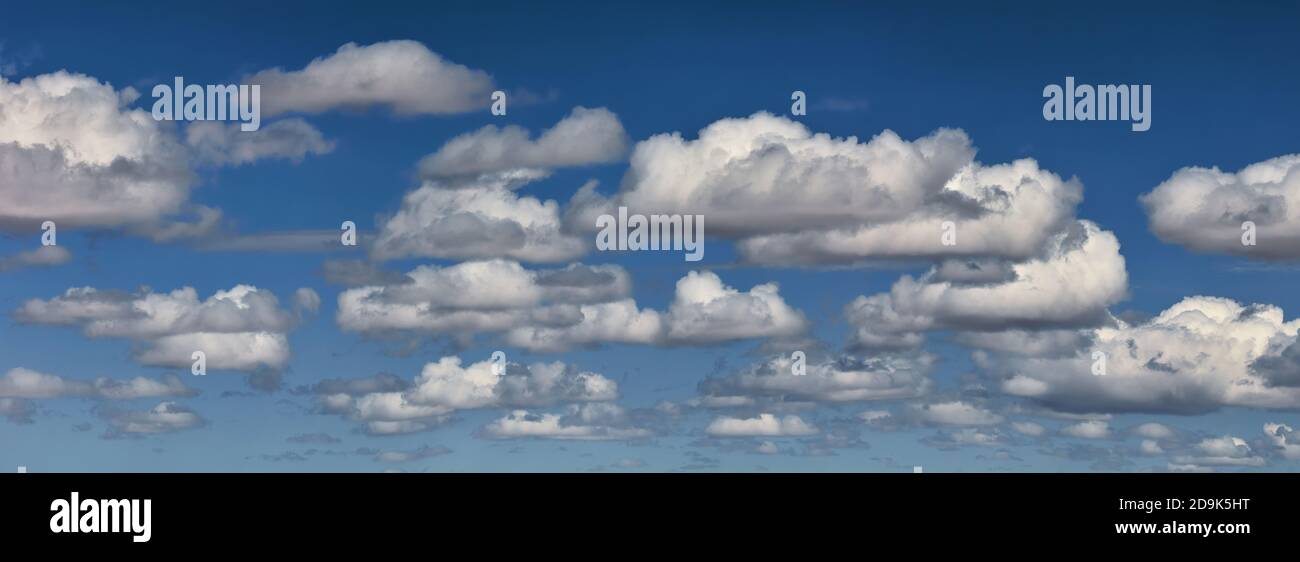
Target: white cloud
[(478, 296), (585, 136), (558, 309), (704, 310), (1151, 447), (844, 379), (1082, 273), (45, 256), (1152, 430), (220, 143), (765, 425), (242, 329), (28, 384), (166, 417), (966, 437), (445, 386), (16, 410), (1221, 451), (1200, 354), (798, 197), (403, 75), (584, 422), (1028, 428), (73, 153), (955, 413), (467, 208), (481, 218), (1204, 208), (422, 453), (1092, 429), (1284, 439)]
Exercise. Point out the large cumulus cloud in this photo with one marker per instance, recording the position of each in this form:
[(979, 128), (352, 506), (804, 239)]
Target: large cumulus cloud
[(243, 328), (1200, 354), (1204, 208), (794, 197), (1079, 275), (558, 309)]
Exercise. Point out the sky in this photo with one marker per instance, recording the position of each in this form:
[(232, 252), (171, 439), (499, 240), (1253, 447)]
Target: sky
[(823, 235)]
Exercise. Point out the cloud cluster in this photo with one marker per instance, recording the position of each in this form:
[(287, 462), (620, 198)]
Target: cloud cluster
[(19, 387), (166, 417), (467, 207), (795, 197), (1204, 208), (243, 328), (842, 379), (558, 309), (1225, 451), (386, 405), (955, 413), (1080, 275), (1200, 354), (582, 422), (28, 384), (764, 425), (71, 151), (479, 218)]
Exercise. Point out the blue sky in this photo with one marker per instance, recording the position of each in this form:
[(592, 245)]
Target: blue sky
[(1223, 81)]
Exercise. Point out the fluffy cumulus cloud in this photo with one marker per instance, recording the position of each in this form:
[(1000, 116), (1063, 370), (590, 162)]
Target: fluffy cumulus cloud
[(585, 136), (793, 196), (1205, 208), (705, 310), (764, 425), (1090, 429), (1225, 451), (71, 151), (479, 218), (843, 379), (1284, 440), (243, 328), (1152, 430), (1028, 428), (28, 384), (955, 413), (1200, 354), (166, 417), (558, 309), (1079, 275), (387, 405), (404, 76), (467, 206), (583, 422), (19, 387)]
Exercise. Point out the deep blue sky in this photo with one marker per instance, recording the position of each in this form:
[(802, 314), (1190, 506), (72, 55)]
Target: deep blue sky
[(1224, 79)]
